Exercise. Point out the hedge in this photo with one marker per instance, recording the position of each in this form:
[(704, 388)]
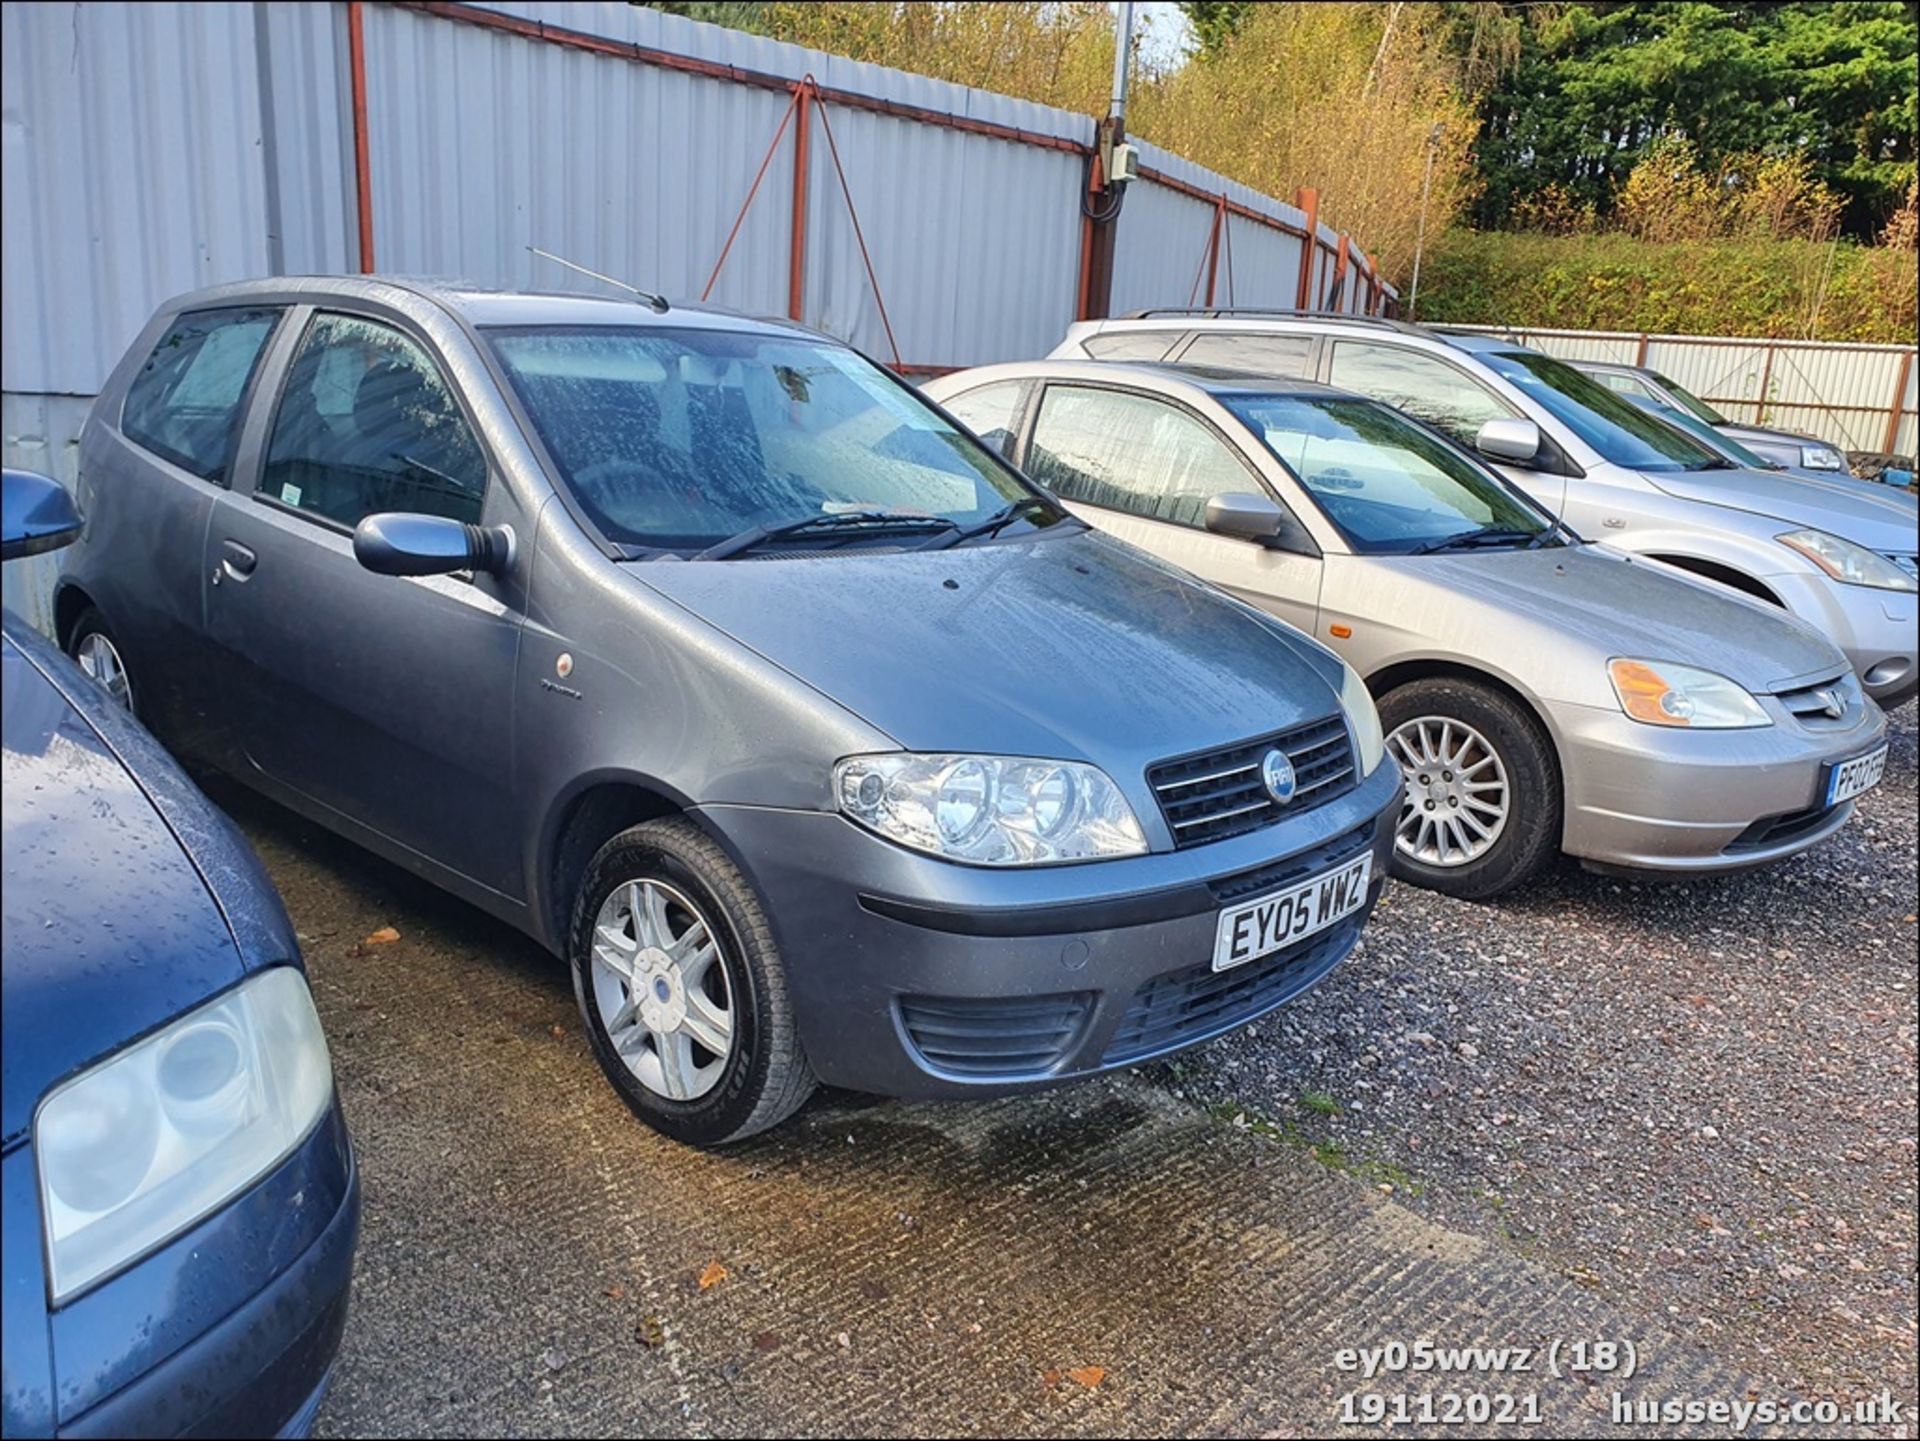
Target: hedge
[(1715, 287)]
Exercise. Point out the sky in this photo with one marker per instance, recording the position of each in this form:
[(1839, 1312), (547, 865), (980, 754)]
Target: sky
[(1165, 34)]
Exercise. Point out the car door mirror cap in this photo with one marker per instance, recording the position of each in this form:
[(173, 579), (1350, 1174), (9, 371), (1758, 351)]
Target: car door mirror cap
[(406, 543), (1509, 438), (39, 515), (1245, 516)]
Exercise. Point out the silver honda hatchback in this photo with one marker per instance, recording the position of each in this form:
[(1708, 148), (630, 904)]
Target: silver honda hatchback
[(1541, 694), (820, 742)]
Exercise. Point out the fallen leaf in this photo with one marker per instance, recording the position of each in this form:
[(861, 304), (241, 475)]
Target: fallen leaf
[(616, 1291), (1088, 1376), (1050, 1378), (766, 1341), (873, 1290), (651, 1332), (385, 936), (712, 1276), (556, 1030)]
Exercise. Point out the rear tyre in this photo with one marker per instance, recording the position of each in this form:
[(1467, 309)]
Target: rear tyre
[(95, 650), (1481, 811), (682, 988)]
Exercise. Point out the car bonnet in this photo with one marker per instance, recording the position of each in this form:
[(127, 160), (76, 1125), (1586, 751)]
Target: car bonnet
[(1880, 522), (1067, 646), (109, 927)]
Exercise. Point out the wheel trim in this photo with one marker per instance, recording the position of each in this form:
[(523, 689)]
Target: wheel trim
[(661, 989), (97, 657), (1458, 798)]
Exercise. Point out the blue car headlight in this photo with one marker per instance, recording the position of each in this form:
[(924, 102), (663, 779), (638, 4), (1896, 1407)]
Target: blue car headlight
[(137, 1149)]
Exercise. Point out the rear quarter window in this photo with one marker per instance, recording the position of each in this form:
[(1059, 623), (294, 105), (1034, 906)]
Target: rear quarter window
[(184, 403)]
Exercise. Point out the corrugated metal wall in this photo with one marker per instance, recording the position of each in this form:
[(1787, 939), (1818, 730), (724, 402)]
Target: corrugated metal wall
[(1844, 393), (153, 148)]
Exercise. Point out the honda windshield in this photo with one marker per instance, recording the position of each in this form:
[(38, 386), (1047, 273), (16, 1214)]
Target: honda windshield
[(1390, 485), (689, 439)]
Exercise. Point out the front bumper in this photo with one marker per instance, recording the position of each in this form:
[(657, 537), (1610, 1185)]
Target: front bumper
[(916, 977), (274, 1266), (1641, 797), (1876, 628)]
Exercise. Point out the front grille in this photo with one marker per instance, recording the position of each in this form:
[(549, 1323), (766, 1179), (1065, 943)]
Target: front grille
[(1779, 830), (1182, 1007), (996, 1035), (1217, 794), (1271, 877), (1813, 705)]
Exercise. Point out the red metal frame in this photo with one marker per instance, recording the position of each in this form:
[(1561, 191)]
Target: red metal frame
[(1213, 245), (1899, 396), (797, 237), (752, 190), (362, 165), (1308, 199)]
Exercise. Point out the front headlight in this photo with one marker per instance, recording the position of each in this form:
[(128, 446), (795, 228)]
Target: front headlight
[(1660, 693), (990, 810), (134, 1151), (1846, 562), (1821, 457), (1369, 741)]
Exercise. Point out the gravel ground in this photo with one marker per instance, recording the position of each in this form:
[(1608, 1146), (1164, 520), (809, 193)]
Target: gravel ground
[(1699, 1099)]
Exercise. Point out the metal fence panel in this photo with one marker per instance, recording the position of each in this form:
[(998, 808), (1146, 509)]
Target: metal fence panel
[(132, 171)]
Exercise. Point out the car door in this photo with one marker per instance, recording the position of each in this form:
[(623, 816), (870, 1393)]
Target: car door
[(1143, 467), (1440, 393), (153, 477), (382, 703)]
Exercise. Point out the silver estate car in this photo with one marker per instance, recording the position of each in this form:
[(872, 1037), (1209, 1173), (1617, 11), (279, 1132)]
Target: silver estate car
[(1539, 693), (1840, 555), (717, 659)]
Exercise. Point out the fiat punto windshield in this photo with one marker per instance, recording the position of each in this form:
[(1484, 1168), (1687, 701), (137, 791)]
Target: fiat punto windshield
[(694, 440)]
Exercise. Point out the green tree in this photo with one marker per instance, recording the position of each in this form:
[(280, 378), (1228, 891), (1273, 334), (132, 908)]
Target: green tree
[(1596, 84)]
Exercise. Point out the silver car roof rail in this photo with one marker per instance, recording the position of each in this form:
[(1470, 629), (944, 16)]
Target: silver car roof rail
[(1210, 312)]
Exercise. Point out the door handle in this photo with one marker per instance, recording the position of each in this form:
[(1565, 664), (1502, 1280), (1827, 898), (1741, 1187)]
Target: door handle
[(237, 560)]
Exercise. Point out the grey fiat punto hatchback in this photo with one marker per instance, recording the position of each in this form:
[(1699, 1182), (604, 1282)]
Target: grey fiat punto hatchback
[(821, 743)]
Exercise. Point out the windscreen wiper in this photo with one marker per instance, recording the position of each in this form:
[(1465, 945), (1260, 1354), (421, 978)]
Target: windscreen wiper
[(852, 520), (994, 523), (1473, 539)]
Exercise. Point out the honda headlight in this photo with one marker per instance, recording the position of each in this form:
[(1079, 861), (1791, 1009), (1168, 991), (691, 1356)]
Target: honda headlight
[(990, 810), (1660, 693), (134, 1151), (1821, 457), (1846, 562)]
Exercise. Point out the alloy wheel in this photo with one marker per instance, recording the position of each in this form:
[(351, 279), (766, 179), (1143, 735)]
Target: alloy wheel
[(1457, 795), (661, 988), (97, 657)]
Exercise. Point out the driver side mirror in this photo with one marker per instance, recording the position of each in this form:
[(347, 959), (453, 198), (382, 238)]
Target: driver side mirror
[(1258, 519), (36, 515), (1512, 440), (404, 543)]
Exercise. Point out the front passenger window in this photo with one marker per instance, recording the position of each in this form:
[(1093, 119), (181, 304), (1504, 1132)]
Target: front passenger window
[(367, 424)]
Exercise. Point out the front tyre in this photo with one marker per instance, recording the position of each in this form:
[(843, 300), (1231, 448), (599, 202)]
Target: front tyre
[(682, 987), (1480, 814)]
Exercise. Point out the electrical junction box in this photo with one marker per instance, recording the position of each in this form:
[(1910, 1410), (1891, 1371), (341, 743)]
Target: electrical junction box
[(1124, 166)]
